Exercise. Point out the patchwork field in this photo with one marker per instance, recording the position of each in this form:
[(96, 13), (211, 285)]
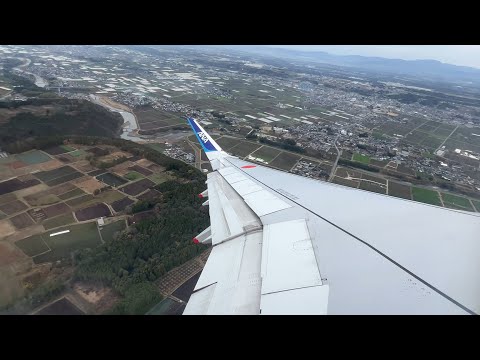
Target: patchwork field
[(43, 196)]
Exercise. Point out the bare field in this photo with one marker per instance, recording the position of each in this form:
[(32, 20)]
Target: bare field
[(89, 185), (6, 228)]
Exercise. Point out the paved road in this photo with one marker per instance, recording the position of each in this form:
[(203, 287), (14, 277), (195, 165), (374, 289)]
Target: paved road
[(448, 137), (339, 153)]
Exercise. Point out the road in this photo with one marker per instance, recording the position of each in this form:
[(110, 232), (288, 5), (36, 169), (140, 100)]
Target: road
[(339, 153), (198, 155), (448, 137)]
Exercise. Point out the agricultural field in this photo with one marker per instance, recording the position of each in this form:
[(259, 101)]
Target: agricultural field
[(426, 196), (33, 157), (58, 221), (43, 196), (151, 119), (108, 231), (226, 143), (476, 204), (149, 195), (92, 212), (159, 178), (399, 190), (133, 175), (61, 307), (137, 187), (141, 170), (157, 146), (456, 202), (21, 221), (244, 148), (13, 207), (285, 160), (266, 153), (342, 181), (121, 204), (71, 194), (45, 248), (373, 187), (79, 200), (58, 150), (111, 179), (364, 159)]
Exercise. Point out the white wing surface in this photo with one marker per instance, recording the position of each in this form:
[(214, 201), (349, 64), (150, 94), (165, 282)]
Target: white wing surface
[(285, 244)]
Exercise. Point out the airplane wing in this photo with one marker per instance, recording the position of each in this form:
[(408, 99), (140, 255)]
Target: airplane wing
[(286, 244)]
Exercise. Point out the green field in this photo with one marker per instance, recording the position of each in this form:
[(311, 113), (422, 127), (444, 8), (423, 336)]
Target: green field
[(159, 178), (458, 202), (81, 236), (77, 153), (361, 158), (33, 157), (244, 148), (107, 231), (67, 148), (32, 245), (133, 175), (58, 221), (157, 147), (226, 143), (476, 203), (426, 196), (266, 153), (71, 194)]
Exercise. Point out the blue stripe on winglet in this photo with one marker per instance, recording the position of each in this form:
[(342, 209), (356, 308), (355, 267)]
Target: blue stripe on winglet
[(201, 137)]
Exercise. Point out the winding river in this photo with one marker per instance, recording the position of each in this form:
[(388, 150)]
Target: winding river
[(130, 126)]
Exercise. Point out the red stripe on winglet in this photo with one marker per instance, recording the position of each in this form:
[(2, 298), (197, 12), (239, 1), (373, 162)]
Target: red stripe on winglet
[(248, 166), (195, 241), (200, 196)]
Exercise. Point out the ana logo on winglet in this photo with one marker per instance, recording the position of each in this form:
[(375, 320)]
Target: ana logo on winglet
[(202, 136)]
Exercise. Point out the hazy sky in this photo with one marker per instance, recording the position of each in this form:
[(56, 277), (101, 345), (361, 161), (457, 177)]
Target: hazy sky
[(467, 55)]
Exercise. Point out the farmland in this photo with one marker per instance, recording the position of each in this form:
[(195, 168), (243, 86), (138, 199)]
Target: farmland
[(399, 190), (426, 196), (457, 202), (361, 158), (41, 197), (152, 119)]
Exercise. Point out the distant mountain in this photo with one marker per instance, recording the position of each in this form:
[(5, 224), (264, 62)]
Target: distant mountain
[(427, 68)]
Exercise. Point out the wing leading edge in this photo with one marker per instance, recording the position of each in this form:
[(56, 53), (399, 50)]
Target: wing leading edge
[(285, 244)]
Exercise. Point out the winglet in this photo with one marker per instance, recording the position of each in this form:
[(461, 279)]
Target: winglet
[(208, 144)]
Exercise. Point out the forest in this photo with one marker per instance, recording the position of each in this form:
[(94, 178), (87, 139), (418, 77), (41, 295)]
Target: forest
[(148, 249), (78, 117)]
